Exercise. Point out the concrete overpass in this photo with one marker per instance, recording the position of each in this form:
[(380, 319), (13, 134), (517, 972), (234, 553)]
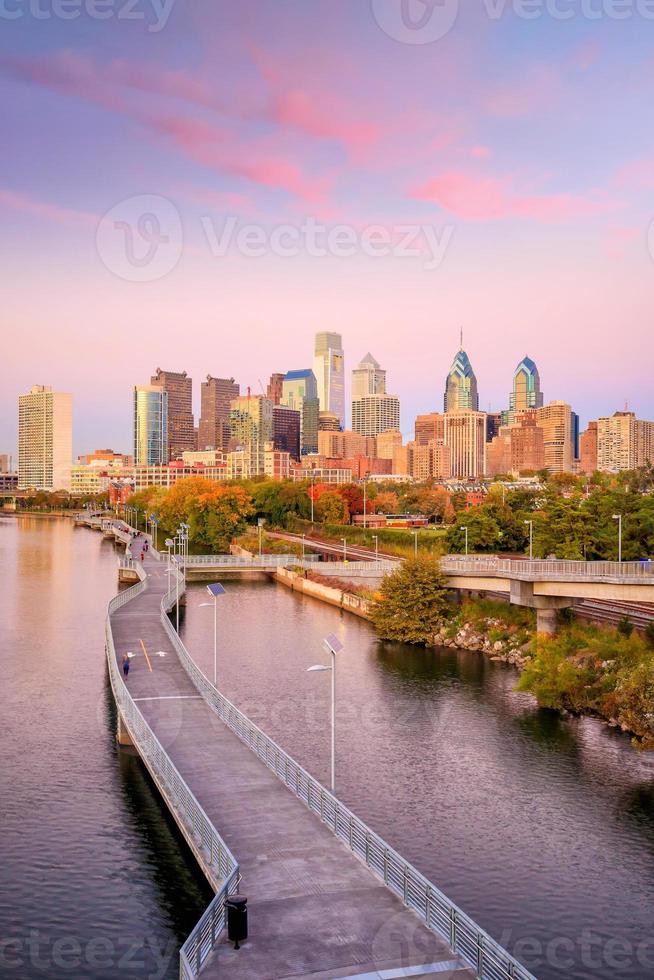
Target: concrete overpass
[(551, 584)]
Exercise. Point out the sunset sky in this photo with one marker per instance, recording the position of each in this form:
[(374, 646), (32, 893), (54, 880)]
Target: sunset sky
[(525, 146)]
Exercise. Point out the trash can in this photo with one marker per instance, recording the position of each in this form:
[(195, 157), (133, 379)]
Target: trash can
[(237, 919)]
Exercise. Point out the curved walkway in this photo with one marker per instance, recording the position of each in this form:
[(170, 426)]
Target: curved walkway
[(314, 909)]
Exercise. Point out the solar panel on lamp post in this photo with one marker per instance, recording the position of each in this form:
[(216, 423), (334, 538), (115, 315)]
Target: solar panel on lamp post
[(333, 645), (214, 591)]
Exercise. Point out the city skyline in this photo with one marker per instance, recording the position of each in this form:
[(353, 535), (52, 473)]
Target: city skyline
[(117, 430), (531, 167)]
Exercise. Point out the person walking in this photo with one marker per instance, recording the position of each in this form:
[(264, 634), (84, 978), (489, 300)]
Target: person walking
[(125, 665)]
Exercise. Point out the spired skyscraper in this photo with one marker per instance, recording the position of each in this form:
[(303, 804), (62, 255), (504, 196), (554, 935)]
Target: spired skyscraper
[(329, 369), (526, 392), (461, 384)]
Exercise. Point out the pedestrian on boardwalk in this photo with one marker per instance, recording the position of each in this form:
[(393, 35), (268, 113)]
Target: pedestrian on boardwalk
[(142, 555), (125, 665)]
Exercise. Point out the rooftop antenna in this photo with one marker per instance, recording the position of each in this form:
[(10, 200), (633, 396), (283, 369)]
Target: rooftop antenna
[(461, 343)]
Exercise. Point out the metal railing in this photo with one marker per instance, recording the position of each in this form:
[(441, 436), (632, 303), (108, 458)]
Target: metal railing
[(479, 950), (239, 561), (551, 569), (380, 567), (202, 836)]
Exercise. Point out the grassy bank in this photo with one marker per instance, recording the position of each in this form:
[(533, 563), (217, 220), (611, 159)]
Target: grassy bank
[(393, 541)]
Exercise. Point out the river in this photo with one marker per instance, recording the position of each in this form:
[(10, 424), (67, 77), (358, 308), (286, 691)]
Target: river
[(541, 828)]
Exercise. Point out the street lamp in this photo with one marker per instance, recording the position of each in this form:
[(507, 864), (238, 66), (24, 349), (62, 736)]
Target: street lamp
[(333, 646), (177, 560), (214, 590), (415, 543), (365, 503), (303, 536), (618, 518), (531, 539), (464, 528), (344, 540), (261, 523), (313, 484), (375, 538), (169, 544), (154, 522)]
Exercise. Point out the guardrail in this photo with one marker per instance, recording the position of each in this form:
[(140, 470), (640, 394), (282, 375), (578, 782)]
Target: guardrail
[(239, 561), (202, 836), (553, 570), (466, 939), (337, 568)]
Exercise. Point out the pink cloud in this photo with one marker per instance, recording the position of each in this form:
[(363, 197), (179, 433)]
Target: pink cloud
[(487, 198), (636, 173), (480, 152), (16, 201)]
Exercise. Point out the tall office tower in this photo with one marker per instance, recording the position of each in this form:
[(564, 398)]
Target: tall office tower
[(275, 388), (300, 391), (5, 463), (217, 395), (375, 413), (429, 461), (465, 435), (368, 378), (526, 391), (150, 425), (555, 419), (624, 442), (461, 385), (45, 439), (588, 450), (329, 372), (287, 423), (387, 443), (181, 429), (427, 427), (251, 425)]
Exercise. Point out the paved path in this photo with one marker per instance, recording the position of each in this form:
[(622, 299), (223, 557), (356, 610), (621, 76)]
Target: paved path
[(314, 909)]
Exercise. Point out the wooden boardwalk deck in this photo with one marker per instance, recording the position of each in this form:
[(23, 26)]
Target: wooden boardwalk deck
[(314, 909)]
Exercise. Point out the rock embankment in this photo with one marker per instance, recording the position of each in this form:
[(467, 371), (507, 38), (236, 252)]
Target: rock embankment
[(510, 648)]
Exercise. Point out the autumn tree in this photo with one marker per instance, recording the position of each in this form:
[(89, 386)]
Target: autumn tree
[(413, 602), (218, 515)]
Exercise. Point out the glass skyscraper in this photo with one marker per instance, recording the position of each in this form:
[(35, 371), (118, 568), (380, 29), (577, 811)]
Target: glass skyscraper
[(461, 385), (329, 371), (526, 392), (150, 425)]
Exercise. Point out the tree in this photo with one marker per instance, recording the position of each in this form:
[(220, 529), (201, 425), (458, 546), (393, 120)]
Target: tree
[(330, 508), (386, 502), (483, 531), (176, 506), (353, 497), (219, 515), (413, 603)]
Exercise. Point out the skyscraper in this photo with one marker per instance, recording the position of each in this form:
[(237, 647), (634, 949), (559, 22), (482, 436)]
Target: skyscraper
[(526, 391), (275, 388), (251, 424), (150, 425), (465, 436), (461, 385), (181, 430), (45, 439), (300, 391), (329, 372), (368, 378), (217, 395), (556, 421), (286, 430), (375, 413)]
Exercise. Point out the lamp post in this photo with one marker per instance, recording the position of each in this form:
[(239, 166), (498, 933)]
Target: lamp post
[(214, 591), (169, 545), (415, 543), (154, 522), (303, 536), (344, 540), (618, 518), (464, 528), (365, 503), (313, 483), (531, 539), (261, 523), (376, 540), (333, 645)]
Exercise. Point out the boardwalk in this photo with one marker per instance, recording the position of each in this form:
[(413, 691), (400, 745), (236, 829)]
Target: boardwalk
[(315, 910)]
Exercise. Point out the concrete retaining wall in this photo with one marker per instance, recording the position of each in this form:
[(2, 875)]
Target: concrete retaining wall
[(333, 597)]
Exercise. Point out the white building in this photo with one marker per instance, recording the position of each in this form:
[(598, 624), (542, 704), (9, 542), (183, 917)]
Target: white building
[(45, 439), (368, 378), (375, 413), (465, 437)]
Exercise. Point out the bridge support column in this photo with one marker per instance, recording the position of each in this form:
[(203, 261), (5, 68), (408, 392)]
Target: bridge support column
[(122, 735), (546, 621)]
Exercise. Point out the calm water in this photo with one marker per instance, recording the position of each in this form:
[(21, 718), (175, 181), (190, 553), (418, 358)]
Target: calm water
[(541, 828)]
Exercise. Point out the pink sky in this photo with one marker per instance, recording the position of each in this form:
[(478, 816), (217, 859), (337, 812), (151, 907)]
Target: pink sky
[(524, 148)]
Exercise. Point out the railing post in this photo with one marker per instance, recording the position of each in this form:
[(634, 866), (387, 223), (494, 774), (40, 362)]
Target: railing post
[(453, 930)]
